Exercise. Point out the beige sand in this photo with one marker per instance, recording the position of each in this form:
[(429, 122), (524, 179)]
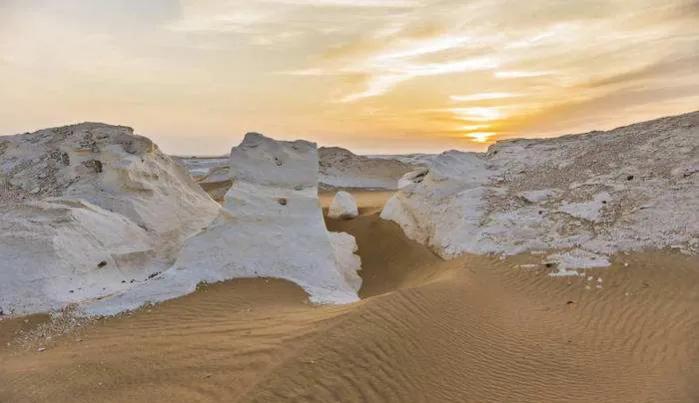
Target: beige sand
[(474, 329)]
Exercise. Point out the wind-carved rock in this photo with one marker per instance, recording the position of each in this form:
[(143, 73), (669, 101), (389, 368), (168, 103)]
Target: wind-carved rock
[(582, 197), (271, 225), (86, 211)]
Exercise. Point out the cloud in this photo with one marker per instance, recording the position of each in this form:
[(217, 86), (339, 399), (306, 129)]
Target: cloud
[(349, 3), (391, 69), (521, 74), (483, 96)]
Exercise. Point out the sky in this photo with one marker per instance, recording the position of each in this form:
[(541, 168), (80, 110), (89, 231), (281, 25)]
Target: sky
[(375, 76)]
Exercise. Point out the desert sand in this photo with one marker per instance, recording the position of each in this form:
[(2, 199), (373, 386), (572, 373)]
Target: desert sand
[(476, 328)]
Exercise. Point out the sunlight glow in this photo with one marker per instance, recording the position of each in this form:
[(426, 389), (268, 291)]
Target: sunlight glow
[(478, 114), (474, 127), (521, 74), (480, 137), (483, 96), (374, 76)]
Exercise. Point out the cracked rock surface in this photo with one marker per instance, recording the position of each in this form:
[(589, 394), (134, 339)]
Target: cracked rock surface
[(586, 196)]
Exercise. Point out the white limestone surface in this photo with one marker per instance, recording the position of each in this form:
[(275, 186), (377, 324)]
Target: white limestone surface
[(271, 226), (581, 197), (340, 168), (89, 210), (343, 205)]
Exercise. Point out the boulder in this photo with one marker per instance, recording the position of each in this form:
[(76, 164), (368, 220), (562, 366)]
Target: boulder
[(343, 206)]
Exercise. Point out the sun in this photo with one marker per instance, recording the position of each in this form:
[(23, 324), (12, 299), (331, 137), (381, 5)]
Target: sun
[(480, 137)]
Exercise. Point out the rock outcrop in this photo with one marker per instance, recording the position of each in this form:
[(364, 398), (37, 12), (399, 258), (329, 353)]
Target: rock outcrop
[(340, 168), (211, 173), (271, 226), (87, 211), (343, 206), (581, 197)]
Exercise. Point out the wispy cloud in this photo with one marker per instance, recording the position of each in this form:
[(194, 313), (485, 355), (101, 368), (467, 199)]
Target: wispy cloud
[(349, 3), (521, 74), (483, 96)]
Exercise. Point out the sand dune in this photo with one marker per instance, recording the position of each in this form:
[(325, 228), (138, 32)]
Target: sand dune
[(471, 329)]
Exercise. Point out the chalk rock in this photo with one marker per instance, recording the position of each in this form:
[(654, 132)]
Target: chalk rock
[(271, 226), (110, 208), (343, 206), (588, 195), (60, 251), (412, 178), (340, 168), (211, 173)]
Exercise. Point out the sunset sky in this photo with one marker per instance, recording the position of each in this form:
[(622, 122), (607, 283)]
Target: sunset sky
[(376, 76)]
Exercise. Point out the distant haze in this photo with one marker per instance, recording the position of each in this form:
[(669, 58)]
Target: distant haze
[(375, 76)]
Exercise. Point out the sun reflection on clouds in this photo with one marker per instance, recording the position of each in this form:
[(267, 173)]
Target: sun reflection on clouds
[(478, 114), (474, 127), (521, 74), (483, 96)]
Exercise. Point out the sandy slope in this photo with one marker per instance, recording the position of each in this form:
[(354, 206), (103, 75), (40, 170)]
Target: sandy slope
[(473, 329)]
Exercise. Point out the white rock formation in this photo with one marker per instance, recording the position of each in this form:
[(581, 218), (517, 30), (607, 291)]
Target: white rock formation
[(585, 196), (213, 174), (199, 167), (271, 226), (340, 168), (343, 206), (415, 176), (86, 211)]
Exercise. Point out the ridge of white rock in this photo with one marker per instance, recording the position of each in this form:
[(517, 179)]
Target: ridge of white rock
[(86, 211), (199, 167), (211, 173), (271, 226), (340, 168), (343, 205), (583, 196)]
